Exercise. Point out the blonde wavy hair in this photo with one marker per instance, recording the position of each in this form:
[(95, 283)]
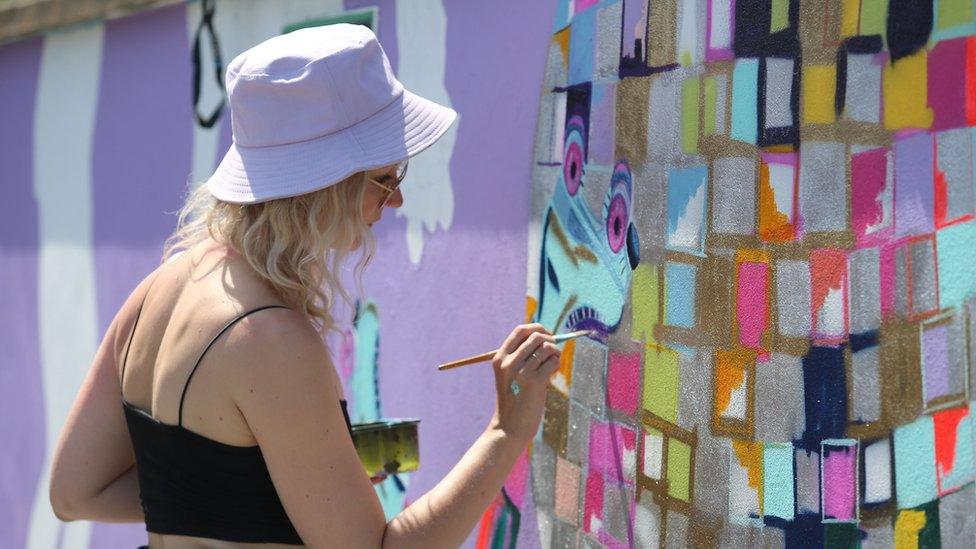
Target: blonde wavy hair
[(299, 244)]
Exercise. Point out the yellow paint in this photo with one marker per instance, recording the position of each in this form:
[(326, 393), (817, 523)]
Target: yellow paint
[(907, 526), (530, 306), (730, 374), (906, 93), (774, 225), (850, 13), (750, 456), (644, 303), (819, 88), (565, 371), (562, 38)]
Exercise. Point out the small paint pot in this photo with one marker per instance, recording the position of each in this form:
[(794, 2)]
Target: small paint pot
[(387, 446)]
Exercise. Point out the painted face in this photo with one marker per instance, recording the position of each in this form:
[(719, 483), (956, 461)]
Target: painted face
[(587, 263)]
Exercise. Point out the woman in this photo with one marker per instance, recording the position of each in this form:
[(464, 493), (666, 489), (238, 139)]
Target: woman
[(213, 411)]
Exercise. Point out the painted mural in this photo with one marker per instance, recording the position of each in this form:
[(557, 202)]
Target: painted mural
[(765, 212)]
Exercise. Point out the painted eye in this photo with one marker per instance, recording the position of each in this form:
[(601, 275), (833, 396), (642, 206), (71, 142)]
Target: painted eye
[(573, 156), (618, 207), (617, 223)]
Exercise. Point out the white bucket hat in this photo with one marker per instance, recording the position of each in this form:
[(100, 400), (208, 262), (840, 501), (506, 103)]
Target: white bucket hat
[(312, 107)]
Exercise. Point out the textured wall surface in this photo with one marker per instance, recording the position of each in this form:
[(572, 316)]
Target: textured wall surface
[(99, 142), (765, 210)]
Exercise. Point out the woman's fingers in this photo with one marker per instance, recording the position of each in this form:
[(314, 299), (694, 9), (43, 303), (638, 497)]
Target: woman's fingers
[(532, 344), (518, 336)]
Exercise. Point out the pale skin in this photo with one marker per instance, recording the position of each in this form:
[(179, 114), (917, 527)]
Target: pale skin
[(270, 381)]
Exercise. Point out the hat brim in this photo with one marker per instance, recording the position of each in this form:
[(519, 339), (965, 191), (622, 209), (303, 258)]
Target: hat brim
[(396, 132)]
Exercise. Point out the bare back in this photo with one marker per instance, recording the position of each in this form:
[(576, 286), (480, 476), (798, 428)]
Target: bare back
[(189, 300)]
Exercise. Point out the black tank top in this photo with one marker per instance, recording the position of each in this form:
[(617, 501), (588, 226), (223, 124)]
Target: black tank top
[(191, 485)]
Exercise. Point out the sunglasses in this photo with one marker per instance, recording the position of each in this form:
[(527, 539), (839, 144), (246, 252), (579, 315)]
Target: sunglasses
[(401, 173)]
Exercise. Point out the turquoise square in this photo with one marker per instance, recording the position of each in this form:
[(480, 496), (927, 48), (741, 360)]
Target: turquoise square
[(778, 481), (745, 100), (915, 463), (679, 283)]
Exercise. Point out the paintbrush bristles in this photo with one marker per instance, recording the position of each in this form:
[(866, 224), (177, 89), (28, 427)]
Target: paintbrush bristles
[(490, 354)]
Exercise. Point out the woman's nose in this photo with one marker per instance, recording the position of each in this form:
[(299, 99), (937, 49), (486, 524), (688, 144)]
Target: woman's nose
[(395, 200)]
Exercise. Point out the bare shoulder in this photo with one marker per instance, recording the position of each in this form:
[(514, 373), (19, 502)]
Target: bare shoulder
[(127, 314), (279, 351)]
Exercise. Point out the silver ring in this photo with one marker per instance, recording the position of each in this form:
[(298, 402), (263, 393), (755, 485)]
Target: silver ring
[(533, 355)]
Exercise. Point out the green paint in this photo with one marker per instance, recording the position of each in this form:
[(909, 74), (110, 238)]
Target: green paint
[(366, 18), (679, 469), (689, 115), (840, 535), (711, 99), (952, 13), (644, 303), (780, 18), (874, 17), (661, 382)]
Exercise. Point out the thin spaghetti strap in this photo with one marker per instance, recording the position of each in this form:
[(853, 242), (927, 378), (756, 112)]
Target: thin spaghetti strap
[(209, 345), (132, 332)]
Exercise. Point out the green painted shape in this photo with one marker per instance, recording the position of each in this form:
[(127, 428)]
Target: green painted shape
[(644, 302), (711, 100), (661, 382), (689, 115), (679, 469), (952, 13), (841, 535), (930, 534), (874, 17), (366, 18), (780, 17)]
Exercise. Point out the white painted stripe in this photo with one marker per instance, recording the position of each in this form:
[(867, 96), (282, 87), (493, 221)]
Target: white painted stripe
[(428, 195), (64, 127)]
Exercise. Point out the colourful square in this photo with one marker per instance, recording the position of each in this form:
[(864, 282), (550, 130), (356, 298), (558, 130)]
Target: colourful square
[(679, 284), (623, 381), (915, 482), (679, 469), (839, 481), (687, 204), (567, 491), (778, 481)]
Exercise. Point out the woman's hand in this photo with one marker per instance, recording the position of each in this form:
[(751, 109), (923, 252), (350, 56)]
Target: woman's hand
[(528, 357)]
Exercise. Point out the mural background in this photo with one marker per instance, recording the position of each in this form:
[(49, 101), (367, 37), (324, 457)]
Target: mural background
[(765, 209), (99, 141)]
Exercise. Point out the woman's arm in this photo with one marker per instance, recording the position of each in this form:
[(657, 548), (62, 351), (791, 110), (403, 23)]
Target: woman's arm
[(92, 474), (116, 502), (444, 516), (283, 386)]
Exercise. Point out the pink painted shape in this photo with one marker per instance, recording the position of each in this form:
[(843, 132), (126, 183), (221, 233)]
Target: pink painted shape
[(718, 54), (839, 482), (602, 456), (567, 491), (752, 303), (947, 83), (868, 172), (593, 502), (517, 479), (623, 382), (581, 5)]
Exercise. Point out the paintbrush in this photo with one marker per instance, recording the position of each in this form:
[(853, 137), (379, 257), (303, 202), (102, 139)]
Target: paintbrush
[(490, 354)]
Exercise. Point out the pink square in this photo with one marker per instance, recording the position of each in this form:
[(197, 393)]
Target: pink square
[(623, 382), (567, 491)]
